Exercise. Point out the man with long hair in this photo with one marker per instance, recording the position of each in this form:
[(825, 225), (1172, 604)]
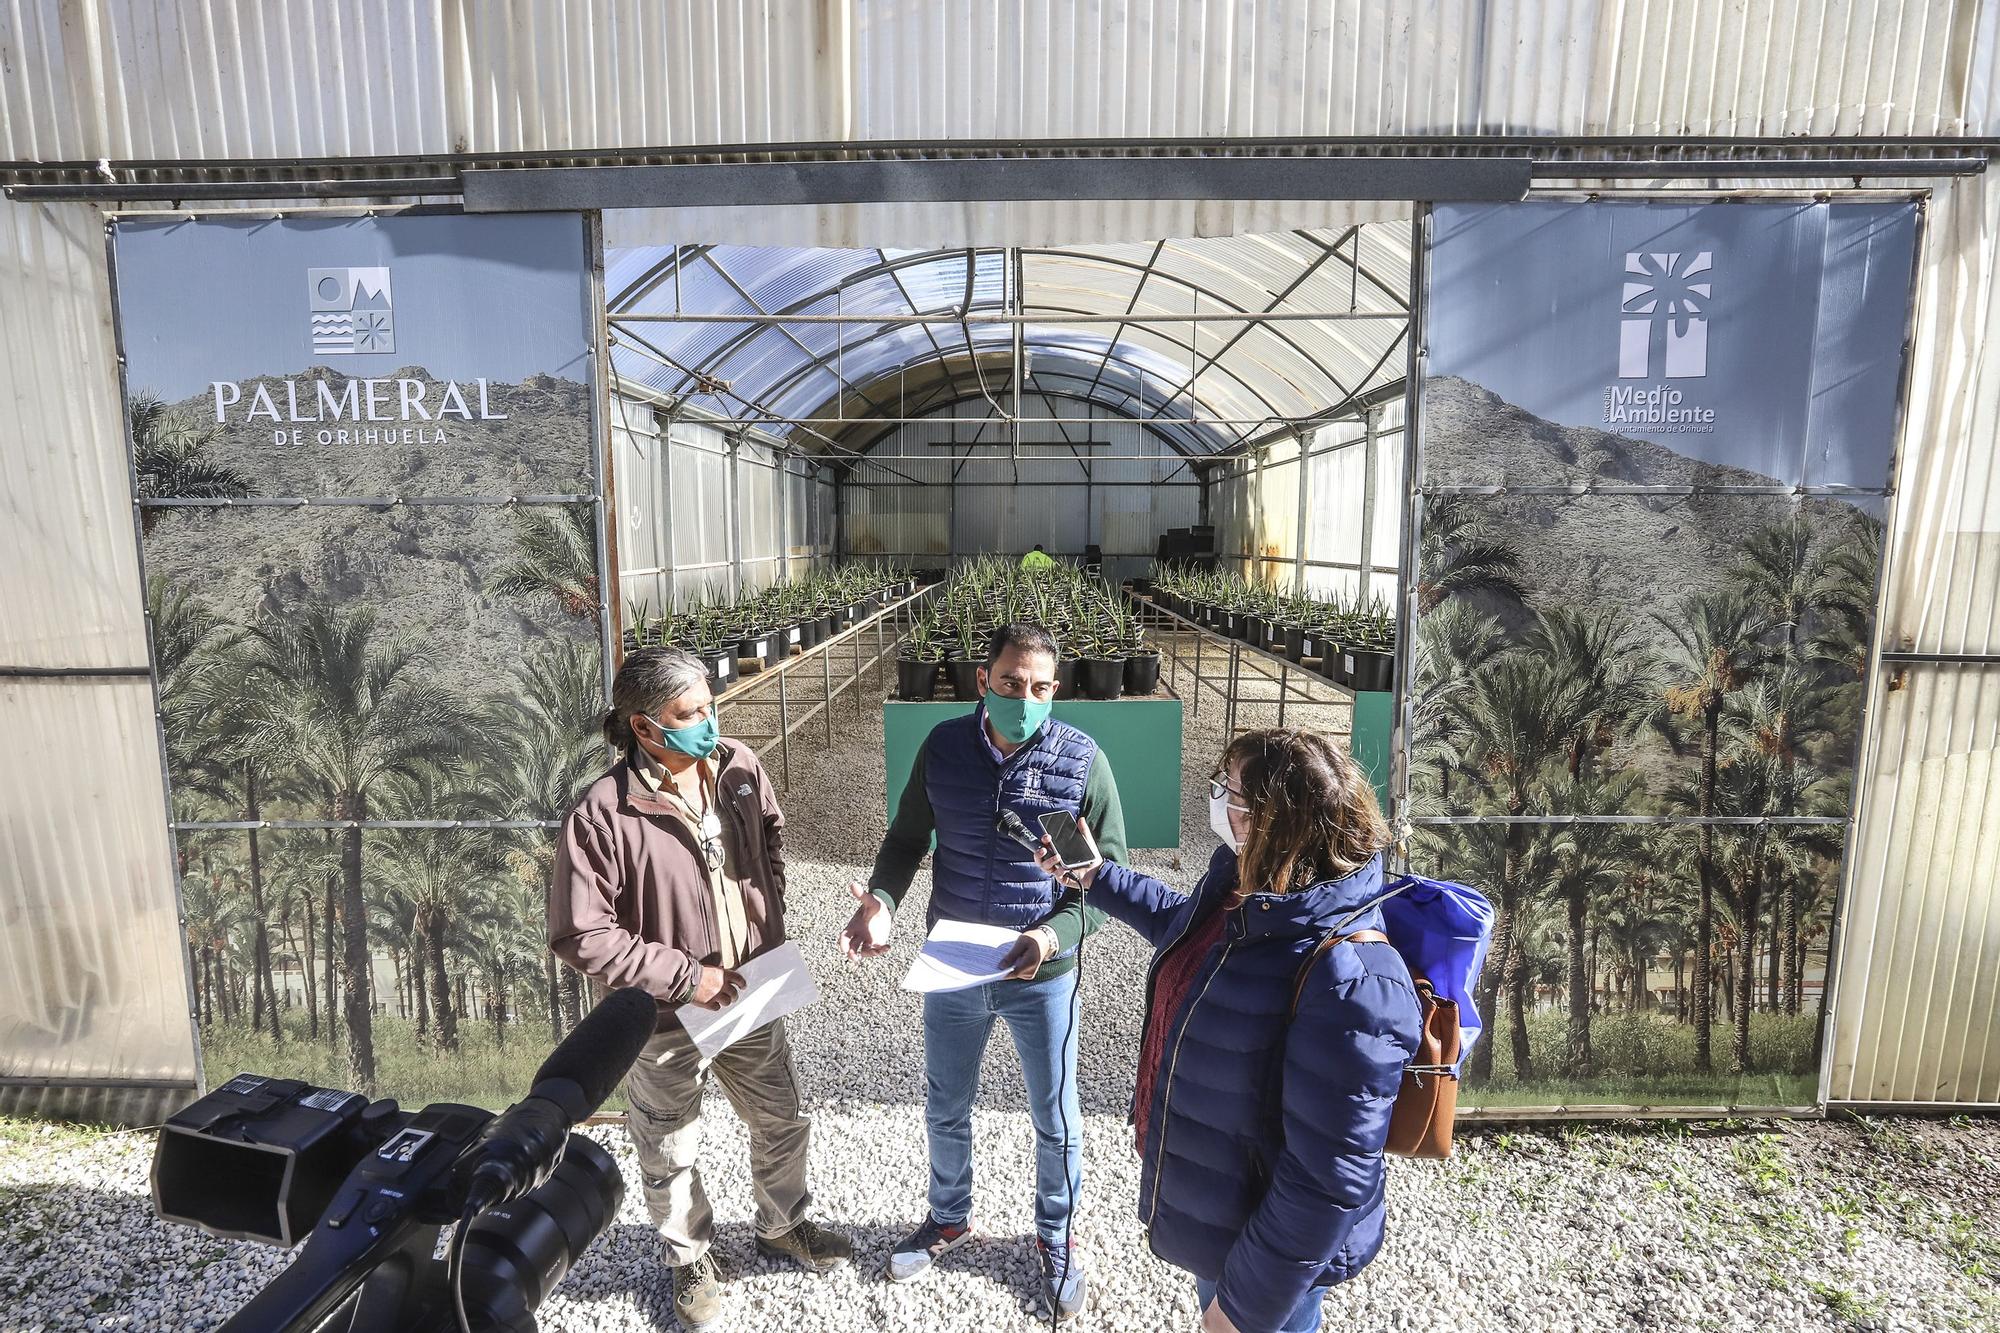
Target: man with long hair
[(670, 874)]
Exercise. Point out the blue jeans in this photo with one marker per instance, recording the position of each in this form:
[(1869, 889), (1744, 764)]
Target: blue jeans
[(1042, 1016), (1304, 1318)]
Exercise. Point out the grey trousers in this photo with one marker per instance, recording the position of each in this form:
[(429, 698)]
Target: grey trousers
[(665, 1089)]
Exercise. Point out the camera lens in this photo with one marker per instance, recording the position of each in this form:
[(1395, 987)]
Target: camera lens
[(517, 1253)]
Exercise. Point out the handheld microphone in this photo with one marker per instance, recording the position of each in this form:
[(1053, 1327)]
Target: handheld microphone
[(1010, 824), (524, 1144)]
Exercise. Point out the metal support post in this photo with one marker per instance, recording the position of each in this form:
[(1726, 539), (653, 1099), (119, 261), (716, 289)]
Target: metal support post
[(1299, 537), (665, 518), (1229, 701), (784, 732), (1194, 695), (826, 679), (785, 519), (735, 519), (1370, 426), (1256, 552)]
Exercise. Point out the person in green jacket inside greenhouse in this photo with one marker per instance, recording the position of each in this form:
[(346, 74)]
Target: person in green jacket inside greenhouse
[(1038, 559)]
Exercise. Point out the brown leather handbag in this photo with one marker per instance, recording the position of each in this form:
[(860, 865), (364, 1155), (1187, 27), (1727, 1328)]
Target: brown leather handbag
[(1420, 1125)]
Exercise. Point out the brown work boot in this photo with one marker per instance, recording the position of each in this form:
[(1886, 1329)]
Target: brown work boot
[(810, 1246), (698, 1295)]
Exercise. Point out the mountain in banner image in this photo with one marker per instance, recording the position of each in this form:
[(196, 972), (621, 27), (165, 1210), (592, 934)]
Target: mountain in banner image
[(1663, 565), (1635, 551), (310, 435), (471, 589)]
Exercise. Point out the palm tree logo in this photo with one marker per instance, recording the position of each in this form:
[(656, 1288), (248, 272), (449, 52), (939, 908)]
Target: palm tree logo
[(1665, 308)]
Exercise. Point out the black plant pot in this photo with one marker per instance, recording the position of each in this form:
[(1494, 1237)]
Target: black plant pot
[(964, 677), (1142, 673), (1371, 670), (1066, 678), (829, 625), (807, 635), (721, 664), (1102, 677), (916, 680), (1235, 624), (1334, 663), (756, 645), (1292, 642)]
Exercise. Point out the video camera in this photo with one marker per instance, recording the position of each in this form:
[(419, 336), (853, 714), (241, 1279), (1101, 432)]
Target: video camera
[(446, 1218)]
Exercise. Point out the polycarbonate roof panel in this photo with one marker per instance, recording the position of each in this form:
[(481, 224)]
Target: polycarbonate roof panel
[(1211, 381)]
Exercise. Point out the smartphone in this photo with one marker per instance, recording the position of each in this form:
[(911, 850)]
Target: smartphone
[(1074, 845)]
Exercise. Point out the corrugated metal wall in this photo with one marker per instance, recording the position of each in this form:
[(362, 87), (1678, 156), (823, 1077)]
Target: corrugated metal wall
[(92, 985), (676, 540), (1255, 509), (952, 486), (251, 78), (1916, 1007), (89, 79)]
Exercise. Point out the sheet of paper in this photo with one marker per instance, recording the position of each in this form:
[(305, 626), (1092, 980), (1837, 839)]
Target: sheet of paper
[(774, 984), (959, 955)]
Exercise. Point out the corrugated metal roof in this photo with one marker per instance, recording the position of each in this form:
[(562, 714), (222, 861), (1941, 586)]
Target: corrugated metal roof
[(1210, 384), (251, 78), (286, 79)]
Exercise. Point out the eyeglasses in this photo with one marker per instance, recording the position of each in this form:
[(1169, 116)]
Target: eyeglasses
[(1217, 789), (711, 840)]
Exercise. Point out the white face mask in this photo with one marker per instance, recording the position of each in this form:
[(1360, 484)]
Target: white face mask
[(1218, 818)]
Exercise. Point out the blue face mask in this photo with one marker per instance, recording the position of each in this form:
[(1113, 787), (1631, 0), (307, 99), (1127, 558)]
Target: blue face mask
[(1016, 719), (697, 741)]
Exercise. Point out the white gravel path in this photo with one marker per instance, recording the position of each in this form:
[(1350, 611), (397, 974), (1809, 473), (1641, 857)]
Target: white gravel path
[(1876, 1225)]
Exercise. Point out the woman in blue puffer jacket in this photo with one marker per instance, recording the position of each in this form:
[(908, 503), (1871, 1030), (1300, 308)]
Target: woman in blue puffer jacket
[(1260, 1139)]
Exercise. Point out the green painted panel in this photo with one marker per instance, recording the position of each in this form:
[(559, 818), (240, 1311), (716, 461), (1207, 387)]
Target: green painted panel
[(1374, 712), (1141, 738)]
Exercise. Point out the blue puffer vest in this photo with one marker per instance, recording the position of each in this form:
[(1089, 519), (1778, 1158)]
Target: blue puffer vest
[(979, 874)]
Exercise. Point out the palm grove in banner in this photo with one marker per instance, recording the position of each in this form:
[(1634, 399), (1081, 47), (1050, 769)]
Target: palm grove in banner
[(1656, 445), (435, 659)]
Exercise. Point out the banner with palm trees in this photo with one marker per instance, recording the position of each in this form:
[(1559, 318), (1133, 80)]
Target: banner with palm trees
[(1655, 449), (365, 457)]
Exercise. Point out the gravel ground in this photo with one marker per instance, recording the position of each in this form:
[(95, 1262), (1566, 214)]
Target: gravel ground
[(1880, 1224)]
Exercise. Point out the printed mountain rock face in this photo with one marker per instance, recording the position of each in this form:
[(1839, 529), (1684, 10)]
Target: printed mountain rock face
[(1473, 437), (471, 587), (1634, 551), (435, 577), (1647, 559), (323, 433)]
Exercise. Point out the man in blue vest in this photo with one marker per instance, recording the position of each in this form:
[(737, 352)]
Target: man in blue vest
[(1008, 754)]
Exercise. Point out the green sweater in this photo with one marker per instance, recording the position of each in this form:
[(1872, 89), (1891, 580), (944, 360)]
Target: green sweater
[(909, 841)]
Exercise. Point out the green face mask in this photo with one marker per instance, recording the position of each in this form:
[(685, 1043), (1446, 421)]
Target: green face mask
[(1016, 719), (697, 741)]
